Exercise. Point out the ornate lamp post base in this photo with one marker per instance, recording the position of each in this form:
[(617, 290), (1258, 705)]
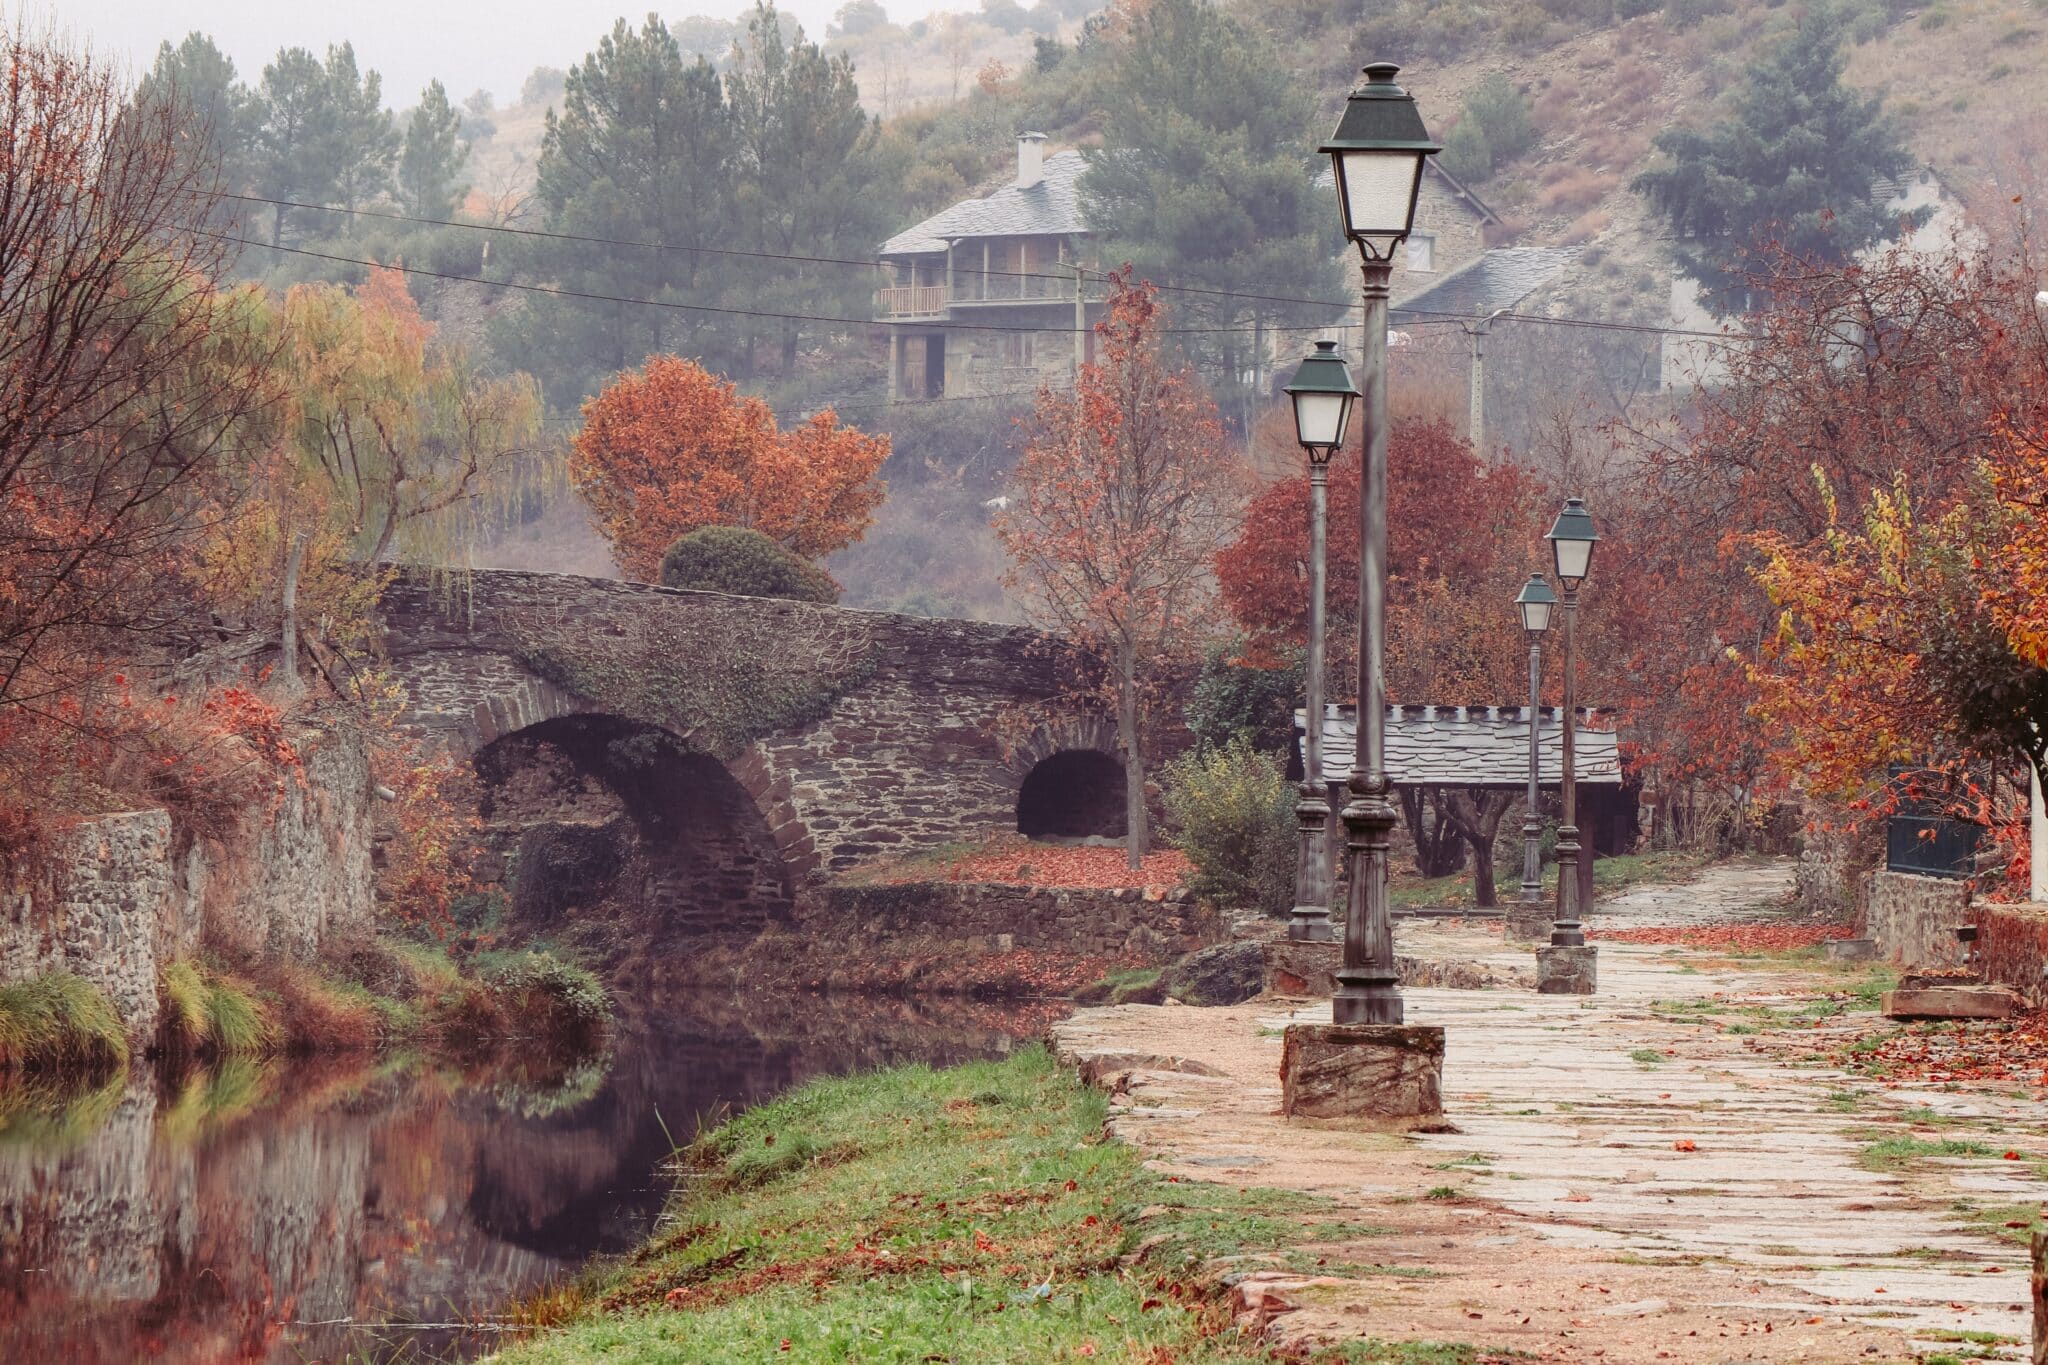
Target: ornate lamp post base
[(1309, 920), (1566, 969), (1387, 1074)]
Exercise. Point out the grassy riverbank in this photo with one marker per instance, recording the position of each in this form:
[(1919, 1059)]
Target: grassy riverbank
[(971, 1214), (380, 996)]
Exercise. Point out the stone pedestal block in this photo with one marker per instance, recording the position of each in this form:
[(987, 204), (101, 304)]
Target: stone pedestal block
[(1850, 949), (1566, 971), (1951, 1002), (1528, 925), (1297, 967), (1386, 1073)]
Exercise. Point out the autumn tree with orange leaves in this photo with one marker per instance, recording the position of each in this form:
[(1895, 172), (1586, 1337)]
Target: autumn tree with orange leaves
[(1834, 574), (1122, 497), (1462, 538), (671, 448)]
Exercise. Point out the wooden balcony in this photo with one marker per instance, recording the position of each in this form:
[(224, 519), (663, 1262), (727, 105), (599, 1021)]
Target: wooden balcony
[(911, 301)]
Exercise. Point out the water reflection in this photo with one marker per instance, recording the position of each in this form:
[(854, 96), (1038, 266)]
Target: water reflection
[(282, 1212)]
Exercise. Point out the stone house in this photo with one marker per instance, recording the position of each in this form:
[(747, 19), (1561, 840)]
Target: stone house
[(993, 296)]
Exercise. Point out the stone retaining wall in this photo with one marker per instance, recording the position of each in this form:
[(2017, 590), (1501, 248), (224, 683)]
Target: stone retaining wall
[(113, 898), (1155, 925), (1913, 919)]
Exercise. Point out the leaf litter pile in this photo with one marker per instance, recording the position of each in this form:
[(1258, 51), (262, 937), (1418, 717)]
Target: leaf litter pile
[(2008, 1050), (1060, 866), (1774, 937)]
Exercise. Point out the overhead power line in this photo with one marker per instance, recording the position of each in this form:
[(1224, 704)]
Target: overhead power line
[(1418, 317), (590, 297)]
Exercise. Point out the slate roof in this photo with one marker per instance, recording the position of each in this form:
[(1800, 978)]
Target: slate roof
[(1497, 279), (1468, 746), (1052, 206)]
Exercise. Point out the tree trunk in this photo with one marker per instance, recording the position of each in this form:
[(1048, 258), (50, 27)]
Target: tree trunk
[(1439, 849), (1476, 814), (1483, 893), (1137, 835), (288, 664)]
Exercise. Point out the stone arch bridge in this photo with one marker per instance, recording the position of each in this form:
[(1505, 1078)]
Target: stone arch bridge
[(743, 747)]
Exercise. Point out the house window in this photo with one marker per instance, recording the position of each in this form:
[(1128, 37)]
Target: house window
[(1422, 252)]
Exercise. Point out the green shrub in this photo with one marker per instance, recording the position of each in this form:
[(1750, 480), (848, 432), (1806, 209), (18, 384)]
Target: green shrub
[(736, 560), (558, 1000), (1232, 813), (1502, 113), (1466, 154), (1231, 699), (59, 1021), (1934, 19)]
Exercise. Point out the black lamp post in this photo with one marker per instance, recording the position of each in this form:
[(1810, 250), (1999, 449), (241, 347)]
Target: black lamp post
[(1377, 153), (1571, 539), (1535, 602), (1324, 399)]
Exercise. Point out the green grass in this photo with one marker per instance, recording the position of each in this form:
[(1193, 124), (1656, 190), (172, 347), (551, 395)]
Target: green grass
[(59, 1022), (1896, 1153), (52, 1114), (1647, 1056), (1373, 1352), (975, 1213), (1120, 987)]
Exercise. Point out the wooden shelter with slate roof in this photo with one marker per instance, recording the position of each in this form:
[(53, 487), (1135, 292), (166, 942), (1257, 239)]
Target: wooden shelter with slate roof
[(1486, 747)]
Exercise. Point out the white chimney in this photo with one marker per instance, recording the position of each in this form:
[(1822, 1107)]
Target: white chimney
[(1030, 159)]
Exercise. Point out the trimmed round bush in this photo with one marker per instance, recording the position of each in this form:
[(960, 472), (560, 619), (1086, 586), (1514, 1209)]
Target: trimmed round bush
[(735, 560)]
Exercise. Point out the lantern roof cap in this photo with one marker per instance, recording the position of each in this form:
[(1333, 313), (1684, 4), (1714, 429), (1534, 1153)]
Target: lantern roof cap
[(1380, 116)]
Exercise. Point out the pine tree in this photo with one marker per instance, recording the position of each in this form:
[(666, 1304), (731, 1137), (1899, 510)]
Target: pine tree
[(1205, 178), (433, 157), (1795, 165), (220, 122), (637, 151), (810, 175), (360, 139), (292, 122)]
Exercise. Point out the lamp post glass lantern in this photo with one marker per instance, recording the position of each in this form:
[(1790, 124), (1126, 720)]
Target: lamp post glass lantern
[(1377, 153), (1572, 539), (1324, 398), (1535, 602)]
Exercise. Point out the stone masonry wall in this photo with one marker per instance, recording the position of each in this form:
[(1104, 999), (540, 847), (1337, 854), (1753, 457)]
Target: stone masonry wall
[(94, 908), (113, 899), (1913, 918), (1155, 925)]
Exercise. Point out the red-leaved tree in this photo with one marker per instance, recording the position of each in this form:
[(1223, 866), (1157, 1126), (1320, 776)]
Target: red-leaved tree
[(1122, 497), (671, 448)]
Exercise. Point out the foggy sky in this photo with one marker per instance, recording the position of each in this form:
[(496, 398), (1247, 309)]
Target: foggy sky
[(468, 44)]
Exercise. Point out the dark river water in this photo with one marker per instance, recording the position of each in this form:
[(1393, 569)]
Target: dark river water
[(361, 1210)]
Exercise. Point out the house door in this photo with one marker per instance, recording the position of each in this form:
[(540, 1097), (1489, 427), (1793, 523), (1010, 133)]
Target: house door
[(935, 365)]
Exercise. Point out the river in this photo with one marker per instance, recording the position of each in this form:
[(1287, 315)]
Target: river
[(331, 1209)]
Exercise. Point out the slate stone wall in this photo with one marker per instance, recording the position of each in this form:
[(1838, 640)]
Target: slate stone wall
[(1157, 925), (94, 908), (114, 898), (912, 752), (1913, 918)]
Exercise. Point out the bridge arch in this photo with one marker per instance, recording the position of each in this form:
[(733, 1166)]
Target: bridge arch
[(599, 819), (1070, 781)]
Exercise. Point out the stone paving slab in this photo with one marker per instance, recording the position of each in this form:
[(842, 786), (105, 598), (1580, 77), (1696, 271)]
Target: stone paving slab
[(1589, 1184)]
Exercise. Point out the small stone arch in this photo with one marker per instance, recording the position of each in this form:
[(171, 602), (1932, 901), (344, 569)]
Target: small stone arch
[(1073, 794)]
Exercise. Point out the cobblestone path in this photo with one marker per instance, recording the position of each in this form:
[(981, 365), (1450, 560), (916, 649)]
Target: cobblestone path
[(1669, 1170)]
